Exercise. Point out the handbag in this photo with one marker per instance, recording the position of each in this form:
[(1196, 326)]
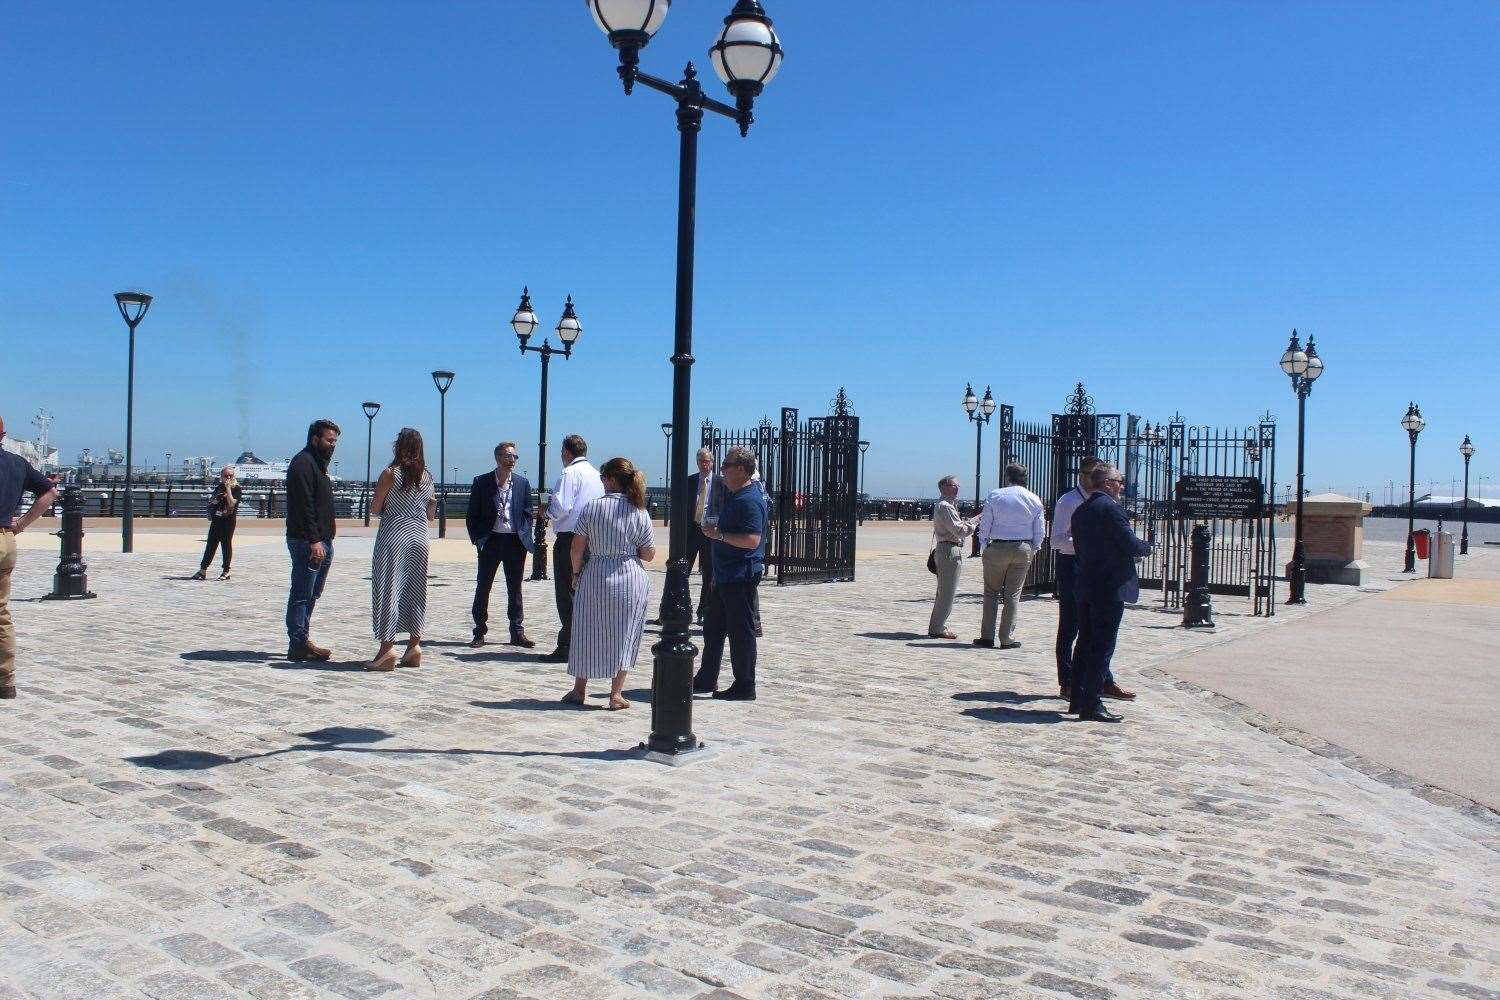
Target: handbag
[(932, 552)]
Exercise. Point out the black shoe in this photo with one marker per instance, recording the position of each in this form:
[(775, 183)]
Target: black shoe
[(299, 654), (705, 686), (522, 640), (986, 643), (1100, 714), (200, 575), (556, 656), (1010, 645), (8, 692), (476, 642), (735, 693)]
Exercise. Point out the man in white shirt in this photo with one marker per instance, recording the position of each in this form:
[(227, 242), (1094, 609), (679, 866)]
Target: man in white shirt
[(1010, 535), (576, 487)]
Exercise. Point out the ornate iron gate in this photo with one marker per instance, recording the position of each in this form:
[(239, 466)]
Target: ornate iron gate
[(810, 471)]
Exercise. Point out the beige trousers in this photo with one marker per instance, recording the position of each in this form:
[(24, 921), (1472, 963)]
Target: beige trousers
[(949, 557), (1005, 565), (7, 627)]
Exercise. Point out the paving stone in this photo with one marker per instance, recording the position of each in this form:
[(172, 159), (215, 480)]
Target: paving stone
[(339, 977), (195, 949)]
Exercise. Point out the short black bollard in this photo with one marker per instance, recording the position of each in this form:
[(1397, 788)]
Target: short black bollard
[(71, 581), (1197, 606)]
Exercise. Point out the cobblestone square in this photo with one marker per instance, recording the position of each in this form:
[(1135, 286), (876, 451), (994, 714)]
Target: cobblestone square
[(185, 814)]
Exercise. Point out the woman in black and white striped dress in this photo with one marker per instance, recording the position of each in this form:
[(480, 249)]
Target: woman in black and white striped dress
[(609, 611), (405, 504)]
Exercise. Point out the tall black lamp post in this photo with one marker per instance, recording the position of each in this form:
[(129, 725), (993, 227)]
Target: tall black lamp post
[(1413, 424), (979, 412), (864, 500), (133, 306), (746, 56), (666, 429), (444, 382), (370, 410), (1467, 451), (568, 331), (1303, 367)]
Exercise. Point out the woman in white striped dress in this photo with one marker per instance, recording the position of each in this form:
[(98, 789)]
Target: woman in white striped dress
[(611, 542), (405, 504)]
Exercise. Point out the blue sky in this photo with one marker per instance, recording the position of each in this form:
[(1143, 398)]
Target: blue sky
[(331, 199)]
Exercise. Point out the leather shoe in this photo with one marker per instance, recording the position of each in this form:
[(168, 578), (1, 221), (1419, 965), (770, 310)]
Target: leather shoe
[(735, 693), (520, 639), (314, 651), (556, 656), (705, 686), (1118, 693), (1065, 693), (1010, 645), (299, 654), (476, 642), (986, 643), (941, 635), (7, 692), (1100, 714)]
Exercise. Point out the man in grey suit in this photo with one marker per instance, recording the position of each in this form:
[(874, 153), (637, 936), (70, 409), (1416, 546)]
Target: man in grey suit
[(706, 487)]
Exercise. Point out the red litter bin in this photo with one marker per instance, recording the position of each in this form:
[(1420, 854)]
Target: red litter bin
[(1423, 538)]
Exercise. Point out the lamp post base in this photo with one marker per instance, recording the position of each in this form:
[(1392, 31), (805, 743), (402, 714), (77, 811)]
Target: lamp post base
[(674, 658), (539, 562)]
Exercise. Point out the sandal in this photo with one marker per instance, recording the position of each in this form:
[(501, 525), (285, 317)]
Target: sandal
[(412, 658), (573, 698), (383, 664), (224, 575), (200, 575), (616, 704)]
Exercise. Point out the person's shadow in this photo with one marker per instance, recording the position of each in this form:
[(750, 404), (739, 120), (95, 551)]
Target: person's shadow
[(1001, 697), (1024, 716)]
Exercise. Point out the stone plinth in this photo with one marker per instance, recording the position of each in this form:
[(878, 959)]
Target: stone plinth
[(1333, 538)]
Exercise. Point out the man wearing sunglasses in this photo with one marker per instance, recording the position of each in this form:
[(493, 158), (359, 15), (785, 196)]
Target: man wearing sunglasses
[(1106, 550), (739, 555), (500, 526)]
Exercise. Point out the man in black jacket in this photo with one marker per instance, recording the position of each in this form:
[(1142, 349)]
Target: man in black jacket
[(309, 535)]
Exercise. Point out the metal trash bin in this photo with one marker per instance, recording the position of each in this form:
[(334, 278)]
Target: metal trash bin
[(1440, 563)]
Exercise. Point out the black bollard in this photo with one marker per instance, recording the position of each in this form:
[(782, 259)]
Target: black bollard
[(1197, 607), (71, 581)]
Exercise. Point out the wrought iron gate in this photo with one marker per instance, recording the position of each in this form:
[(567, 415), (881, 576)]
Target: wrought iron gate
[(810, 471)]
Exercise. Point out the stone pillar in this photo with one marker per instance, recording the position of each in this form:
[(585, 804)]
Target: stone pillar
[(1334, 538)]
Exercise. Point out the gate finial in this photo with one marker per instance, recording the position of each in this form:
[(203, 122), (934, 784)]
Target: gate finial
[(1080, 403), (841, 405)]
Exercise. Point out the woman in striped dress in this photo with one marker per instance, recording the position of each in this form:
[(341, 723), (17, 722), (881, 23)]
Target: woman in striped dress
[(609, 612), (405, 504)]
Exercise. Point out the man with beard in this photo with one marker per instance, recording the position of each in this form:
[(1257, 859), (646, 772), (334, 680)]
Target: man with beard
[(309, 536)]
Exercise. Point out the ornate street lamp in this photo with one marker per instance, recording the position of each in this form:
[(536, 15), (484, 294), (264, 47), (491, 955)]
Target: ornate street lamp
[(1303, 368), (370, 409), (979, 411), (666, 429), (746, 56), (568, 331), (1467, 451), (133, 306), (1412, 423), (443, 381)]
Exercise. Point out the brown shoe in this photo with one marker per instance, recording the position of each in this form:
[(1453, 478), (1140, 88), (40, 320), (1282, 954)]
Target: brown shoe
[(941, 635), (412, 657), (314, 651), (522, 640), (1118, 693), (383, 664), (7, 692)]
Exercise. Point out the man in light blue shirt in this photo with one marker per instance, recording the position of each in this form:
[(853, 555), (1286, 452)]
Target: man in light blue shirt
[(1010, 535)]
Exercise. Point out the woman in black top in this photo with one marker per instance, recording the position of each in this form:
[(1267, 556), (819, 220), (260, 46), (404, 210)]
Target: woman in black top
[(223, 508)]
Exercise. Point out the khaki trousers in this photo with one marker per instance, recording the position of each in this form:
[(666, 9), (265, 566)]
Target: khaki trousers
[(7, 627), (949, 557), (1005, 565)]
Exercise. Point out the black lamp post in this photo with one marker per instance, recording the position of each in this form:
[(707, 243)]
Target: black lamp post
[(864, 500), (1467, 451), (979, 412), (443, 381), (666, 429), (745, 56), (370, 410), (1413, 424), (133, 306), (1303, 367), (568, 331)]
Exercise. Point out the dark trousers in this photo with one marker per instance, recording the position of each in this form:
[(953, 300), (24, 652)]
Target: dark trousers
[(730, 614), (701, 547), (562, 586), (1067, 622), (220, 533), (500, 550), (1098, 627)]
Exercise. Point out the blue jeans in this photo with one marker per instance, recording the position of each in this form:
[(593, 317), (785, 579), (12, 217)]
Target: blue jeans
[(307, 587)]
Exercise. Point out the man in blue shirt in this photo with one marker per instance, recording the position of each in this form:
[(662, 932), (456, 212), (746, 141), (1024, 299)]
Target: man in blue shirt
[(739, 557), (16, 477)]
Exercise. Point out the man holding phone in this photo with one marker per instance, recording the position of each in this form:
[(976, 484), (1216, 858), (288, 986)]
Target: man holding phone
[(309, 536), (739, 555)]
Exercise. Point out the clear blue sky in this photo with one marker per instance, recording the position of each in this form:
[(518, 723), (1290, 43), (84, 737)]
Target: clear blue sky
[(331, 199)]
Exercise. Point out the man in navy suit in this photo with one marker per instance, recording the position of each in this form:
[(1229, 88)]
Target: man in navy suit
[(1106, 550), (500, 526)]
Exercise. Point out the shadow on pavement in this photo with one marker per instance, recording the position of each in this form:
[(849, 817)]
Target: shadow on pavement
[(530, 705), (902, 636), (228, 655), (497, 657), (1002, 697), (1015, 715)]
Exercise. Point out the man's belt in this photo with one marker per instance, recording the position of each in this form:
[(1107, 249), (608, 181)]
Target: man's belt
[(997, 541)]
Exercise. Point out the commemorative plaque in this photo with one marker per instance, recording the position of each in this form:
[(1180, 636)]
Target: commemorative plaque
[(1212, 497)]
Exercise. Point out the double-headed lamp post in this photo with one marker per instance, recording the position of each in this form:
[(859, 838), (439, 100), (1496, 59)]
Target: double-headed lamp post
[(979, 412), (444, 382), (370, 408), (133, 306), (568, 331), (746, 56), (666, 429), (1303, 367), (1412, 423), (1467, 451)]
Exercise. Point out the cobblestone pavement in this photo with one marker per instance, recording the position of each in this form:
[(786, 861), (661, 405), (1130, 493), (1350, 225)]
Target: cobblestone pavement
[(185, 814)]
